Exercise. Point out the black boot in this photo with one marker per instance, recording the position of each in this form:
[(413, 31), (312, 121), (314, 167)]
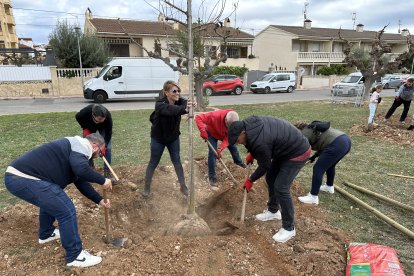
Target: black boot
[(184, 190), (411, 127)]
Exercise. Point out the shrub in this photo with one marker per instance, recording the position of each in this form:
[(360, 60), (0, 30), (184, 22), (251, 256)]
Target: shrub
[(334, 69), (230, 70)]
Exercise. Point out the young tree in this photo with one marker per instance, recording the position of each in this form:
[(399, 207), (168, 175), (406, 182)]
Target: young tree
[(204, 62), (375, 63), (64, 41)]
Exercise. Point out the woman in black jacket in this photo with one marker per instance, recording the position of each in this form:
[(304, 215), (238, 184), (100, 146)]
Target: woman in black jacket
[(165, 132)]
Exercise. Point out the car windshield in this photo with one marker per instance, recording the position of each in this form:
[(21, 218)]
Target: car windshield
[(102, 71), (266, 78), (351, 79)]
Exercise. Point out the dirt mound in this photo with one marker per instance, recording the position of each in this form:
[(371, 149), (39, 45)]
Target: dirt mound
[(151, 249), (391, 131)]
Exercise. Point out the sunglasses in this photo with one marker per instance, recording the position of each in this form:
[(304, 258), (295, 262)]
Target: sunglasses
[(176, 91)]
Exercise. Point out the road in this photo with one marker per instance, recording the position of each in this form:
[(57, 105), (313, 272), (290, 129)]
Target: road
[(26, 106)]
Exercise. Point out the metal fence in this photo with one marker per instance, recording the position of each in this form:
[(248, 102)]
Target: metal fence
[(349, 94), (19, 74)]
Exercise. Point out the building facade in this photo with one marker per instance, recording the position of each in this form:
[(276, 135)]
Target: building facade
[(294, 47), (145, 33), (8, 37)]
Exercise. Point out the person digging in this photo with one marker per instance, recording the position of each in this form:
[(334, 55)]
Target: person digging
[(281, 151), (213, 127)]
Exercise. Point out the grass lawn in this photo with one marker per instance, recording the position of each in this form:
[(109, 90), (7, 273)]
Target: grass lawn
[(366, 165)]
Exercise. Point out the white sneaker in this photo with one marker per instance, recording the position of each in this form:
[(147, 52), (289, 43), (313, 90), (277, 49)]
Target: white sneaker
[(309, 199), (267, 215), (328, 189), (284, 235), (84, 259), (55, 235)]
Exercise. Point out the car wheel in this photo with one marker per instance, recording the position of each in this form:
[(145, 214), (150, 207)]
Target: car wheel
[(289, 89), (209, 91), (267, 90), (386, 86), (238, 90), (100, 96)]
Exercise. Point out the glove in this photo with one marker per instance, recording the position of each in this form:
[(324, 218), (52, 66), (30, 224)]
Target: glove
[(248, 184), (379, 99), (249, 158), (219, 155), (103, 151), (204, 135), (86, 132), (397, 98), (312, 159)]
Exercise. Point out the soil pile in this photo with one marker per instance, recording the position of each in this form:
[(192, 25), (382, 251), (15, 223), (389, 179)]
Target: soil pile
[(152, 249)]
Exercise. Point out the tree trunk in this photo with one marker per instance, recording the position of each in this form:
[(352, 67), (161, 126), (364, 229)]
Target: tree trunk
[(201, 101), (368, 83)]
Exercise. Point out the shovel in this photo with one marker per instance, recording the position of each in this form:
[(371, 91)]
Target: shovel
[(110, 168), (222, 162)]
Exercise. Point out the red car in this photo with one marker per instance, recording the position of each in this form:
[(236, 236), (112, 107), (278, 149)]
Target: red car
[(223, 83)]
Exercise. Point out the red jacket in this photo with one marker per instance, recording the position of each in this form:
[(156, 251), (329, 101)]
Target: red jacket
[(214, 123)]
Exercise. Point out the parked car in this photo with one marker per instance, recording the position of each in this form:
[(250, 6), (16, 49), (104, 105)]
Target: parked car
[(223, 84), (124, 78), (349, 86), (275, 82), (391, 81)]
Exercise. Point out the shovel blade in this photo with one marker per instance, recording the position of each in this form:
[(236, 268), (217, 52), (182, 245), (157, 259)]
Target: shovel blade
[(118, 242)]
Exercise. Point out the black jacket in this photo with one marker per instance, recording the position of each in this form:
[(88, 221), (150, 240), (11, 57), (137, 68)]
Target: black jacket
[(271, 138), (166, 120), (85, 120)]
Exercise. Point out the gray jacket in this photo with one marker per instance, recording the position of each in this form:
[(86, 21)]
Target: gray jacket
[(319, 141), (405, 92)]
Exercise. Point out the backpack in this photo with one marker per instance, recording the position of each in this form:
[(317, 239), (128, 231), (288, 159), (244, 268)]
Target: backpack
[(320, 126)]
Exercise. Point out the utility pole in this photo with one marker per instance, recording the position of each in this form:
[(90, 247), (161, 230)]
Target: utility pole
[(77, 29)]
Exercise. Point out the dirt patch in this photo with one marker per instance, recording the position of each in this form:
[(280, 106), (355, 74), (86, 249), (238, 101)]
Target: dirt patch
[(317, 248), (391, 131)]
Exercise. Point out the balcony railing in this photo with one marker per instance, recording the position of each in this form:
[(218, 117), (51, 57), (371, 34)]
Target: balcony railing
[(320, 57)]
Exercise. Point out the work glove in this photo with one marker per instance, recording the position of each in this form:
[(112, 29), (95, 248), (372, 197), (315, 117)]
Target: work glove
[(397, 98), (379, 100), (103, 151), (204, 135), (219, 155), (248, 184), (249, 158), (86, 132)]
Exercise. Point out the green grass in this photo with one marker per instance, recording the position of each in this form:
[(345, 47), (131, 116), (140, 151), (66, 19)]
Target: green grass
[(366, 165)]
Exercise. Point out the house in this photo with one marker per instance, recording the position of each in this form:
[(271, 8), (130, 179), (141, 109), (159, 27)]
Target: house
[(239, 46), (8, 37), (307, 47)]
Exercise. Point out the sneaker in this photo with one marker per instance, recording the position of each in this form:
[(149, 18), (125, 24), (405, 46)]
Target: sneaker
[(326, 188), (212, 182), (411, 127), (84, 259), (267, 215), (184, 190), (242, 165), (309, 199), (284, 235), (385, 120), (402, 122), (55, 235)]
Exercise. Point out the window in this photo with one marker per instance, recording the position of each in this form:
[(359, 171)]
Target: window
[(243, 52), (233, 52), (282, 77), (2, 45), (113, 73)]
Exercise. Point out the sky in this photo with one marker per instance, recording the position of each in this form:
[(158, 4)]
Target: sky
[(37, 19)]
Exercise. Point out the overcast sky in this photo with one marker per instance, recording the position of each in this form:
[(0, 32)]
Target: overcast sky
[(37, 18)]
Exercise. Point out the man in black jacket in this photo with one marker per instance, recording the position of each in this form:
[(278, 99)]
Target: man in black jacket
[(96, 118), (281, 151)]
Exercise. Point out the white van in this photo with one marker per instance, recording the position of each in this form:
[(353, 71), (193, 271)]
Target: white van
[(128, 78), (349, 86), (274, 82)]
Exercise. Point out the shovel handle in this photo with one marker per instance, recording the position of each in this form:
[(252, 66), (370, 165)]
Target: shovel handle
[(105, 196), (110, 168), (243, 210), (222, 162)]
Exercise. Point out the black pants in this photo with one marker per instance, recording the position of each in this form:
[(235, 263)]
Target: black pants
[(279, 179), (396, 104)]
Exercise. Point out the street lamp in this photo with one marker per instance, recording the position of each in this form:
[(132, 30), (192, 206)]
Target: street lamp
[(77, 29)]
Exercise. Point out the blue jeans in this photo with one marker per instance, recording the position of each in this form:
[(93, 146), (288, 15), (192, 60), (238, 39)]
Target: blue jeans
[(212, 156), (372, 109), (279, 179), (157, 150), (54, 204), (327, 161)]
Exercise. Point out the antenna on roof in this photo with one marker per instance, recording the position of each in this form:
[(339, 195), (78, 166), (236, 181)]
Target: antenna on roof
[(353, 19), (305, 10), (399, 26)]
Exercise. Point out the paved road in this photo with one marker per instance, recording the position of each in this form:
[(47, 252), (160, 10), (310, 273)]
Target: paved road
[(26, 106)]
